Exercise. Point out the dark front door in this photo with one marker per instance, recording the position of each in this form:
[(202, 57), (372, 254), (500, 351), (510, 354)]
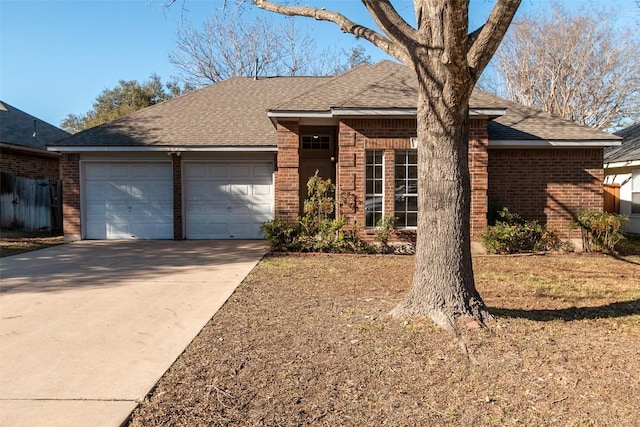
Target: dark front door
[(317, 153)]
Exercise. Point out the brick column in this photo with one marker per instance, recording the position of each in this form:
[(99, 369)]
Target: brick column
[(287, 203), (178, 232), (70, 175), (478, 164)]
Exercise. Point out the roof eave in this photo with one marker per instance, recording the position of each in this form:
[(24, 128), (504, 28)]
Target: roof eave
[(622, 164), (275, 115), (541, 143), (166, 149), (28, 149)]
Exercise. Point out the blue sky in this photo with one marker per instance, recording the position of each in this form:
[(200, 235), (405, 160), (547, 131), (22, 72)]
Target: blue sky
[(56, 56)]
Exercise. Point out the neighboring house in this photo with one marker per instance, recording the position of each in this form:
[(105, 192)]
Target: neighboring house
[(622, 171), (26, 168), (218, 162)]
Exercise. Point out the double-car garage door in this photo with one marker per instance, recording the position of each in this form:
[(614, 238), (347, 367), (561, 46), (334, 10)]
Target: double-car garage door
[(134, 200)]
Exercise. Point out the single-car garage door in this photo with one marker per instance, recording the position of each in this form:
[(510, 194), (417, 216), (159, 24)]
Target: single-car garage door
[(227, 200), (126, 200)]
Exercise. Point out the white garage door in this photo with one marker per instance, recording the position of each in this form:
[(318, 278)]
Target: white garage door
[(128, 200), (227, 200)]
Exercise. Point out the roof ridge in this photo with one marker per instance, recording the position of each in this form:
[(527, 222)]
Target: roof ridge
[(383, 78), (329, 80)]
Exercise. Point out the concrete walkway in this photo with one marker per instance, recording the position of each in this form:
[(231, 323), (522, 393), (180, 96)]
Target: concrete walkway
[(88, 328)]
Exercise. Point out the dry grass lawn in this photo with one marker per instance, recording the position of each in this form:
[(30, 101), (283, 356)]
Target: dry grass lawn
[(17, 242), (306, 341)]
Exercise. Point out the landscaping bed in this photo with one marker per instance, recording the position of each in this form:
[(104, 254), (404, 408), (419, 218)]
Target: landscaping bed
[(307, 341)]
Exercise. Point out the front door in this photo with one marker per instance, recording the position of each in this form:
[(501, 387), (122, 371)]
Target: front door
[(317, 153)]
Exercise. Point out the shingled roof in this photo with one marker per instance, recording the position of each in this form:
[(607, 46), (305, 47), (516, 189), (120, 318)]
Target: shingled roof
[(231, 113), (386, 85), (235, 112), (629, 151), (23, 130)]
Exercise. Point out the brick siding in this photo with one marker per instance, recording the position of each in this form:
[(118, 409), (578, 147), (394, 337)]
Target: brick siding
[(548, 185), (29, 164), (287, 203), (355, 136), (70, 172)]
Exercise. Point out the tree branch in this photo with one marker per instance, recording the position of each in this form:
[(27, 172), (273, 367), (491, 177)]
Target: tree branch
[(345, 24), (388, 19), (485, 43)]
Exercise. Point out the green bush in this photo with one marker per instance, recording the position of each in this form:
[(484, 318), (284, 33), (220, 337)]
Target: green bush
[(317, 230), (383, 233), (512, 234), (600, 230)]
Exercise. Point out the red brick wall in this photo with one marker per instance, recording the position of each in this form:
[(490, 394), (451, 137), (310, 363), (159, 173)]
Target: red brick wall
[(354, 137), (287, 204), (478, 160), (70, 172), (29, 164), (548, 185)]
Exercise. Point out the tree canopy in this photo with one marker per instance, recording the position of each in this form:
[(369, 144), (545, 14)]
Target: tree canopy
[(128, 96), (230, 44), (576, 65)]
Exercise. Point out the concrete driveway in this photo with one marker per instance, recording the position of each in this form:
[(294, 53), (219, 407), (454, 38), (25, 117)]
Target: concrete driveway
[(88, 328)]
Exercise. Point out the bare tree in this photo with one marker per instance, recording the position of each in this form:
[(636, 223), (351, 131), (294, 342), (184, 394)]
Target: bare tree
[(574, 65), (230, 45), (447, 60)]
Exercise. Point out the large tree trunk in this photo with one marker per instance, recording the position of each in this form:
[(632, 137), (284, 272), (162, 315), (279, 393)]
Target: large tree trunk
[(443, 284)]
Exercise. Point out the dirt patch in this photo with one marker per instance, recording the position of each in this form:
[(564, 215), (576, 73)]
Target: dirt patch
[(307, 341), (17, 242)]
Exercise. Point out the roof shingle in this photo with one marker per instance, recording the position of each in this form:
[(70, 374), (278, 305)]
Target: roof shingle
[(234, 112), (24, 130), (629, 151)]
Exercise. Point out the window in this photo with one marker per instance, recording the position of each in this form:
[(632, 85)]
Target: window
[(316, 142), (406, 188), (635, 192), (374, 181)]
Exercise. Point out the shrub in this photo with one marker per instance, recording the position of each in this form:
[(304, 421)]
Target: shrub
[(383, 233), (512, 234), (600, 230), (317, 230), (281, 235)]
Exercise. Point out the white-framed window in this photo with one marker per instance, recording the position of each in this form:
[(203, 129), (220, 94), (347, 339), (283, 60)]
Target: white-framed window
[(406, 188), (635, 192), (374, 183)]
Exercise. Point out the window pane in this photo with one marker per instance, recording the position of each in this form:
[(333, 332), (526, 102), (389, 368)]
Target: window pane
[(369, 157), (412, 186), (412, 220), (635, 182), (412, 157), (406, 188), (369, 172), (412, 204), (413, 172), (374, 187), (635, 203)]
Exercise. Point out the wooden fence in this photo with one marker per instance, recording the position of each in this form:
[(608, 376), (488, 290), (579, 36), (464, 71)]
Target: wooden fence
[(30, 204), (612, 198)]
